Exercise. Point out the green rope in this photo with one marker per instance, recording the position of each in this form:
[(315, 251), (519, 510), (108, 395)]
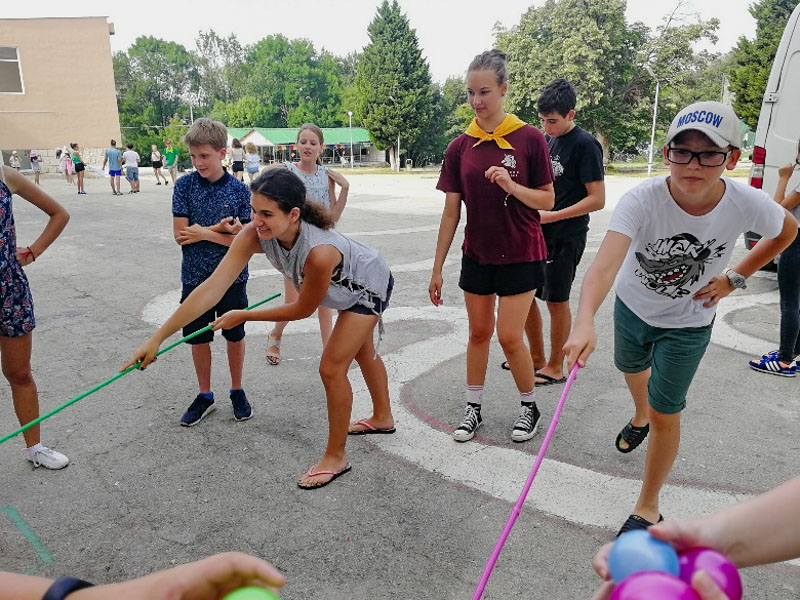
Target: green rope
[(118, 375)]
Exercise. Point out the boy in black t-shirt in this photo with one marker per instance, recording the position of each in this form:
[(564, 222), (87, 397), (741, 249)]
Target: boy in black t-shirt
[(577, 161)]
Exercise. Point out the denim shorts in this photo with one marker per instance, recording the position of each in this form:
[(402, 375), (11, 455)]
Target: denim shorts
[(235, 298), (672, 354), (380, 305), (132, 173)]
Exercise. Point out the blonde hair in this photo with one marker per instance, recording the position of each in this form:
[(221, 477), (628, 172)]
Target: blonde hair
[(251, 148), (318, 132), (207, 131)]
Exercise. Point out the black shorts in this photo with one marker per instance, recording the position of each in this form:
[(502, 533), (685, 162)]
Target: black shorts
[(503, 280), (563, 257), (79, 167), (380, 305), (238, 166), (157, 164), (234, 299)]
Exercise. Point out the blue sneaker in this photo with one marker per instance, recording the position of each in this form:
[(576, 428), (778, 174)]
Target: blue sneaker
[(771, 364), (198, 410), (241, 407)]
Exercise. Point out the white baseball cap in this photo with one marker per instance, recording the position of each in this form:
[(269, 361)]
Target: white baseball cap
[(714, 119)]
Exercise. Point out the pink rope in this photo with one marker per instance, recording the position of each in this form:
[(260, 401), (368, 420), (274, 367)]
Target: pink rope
[(498, 548)]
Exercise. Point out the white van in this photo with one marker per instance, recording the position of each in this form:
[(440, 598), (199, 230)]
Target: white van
[(778, 132)]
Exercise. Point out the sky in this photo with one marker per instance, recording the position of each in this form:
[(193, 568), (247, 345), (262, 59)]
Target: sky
[(451, 32)]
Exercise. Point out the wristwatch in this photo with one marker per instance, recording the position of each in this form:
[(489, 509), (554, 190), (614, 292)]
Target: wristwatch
[(737, 280)]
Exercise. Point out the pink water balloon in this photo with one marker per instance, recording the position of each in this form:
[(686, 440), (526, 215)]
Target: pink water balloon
[(653, 585), (718, 567)]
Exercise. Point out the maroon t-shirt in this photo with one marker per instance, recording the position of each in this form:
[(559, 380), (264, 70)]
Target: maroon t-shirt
[(499, 231)]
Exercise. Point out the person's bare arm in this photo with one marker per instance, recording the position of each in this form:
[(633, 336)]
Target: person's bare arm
[(540, 198), (317, 270), (596, 284), (792, 199), (59, 217), (595, 200), (451, 215), (337, 203)]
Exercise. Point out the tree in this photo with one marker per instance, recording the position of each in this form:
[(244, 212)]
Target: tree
[(748, 78), (589, 43), (220, 68), (163, 73), (295, 83), (394, 94)]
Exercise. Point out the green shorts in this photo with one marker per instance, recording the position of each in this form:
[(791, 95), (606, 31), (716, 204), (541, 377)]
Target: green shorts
[(672, 354)]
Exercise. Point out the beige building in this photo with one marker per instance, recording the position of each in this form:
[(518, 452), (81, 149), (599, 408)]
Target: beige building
[(56, 86)]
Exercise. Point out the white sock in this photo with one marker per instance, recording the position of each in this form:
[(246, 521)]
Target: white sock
[(35, 448), (475, 394), (528, 397)]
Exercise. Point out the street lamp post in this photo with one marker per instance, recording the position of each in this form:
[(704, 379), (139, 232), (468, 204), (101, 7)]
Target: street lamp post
[(653, 129), (350, 116)]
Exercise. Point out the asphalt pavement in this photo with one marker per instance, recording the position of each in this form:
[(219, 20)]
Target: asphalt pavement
[(418, 515)]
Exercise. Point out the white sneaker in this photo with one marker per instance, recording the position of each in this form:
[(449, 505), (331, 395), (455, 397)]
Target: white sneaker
[(47, 458)]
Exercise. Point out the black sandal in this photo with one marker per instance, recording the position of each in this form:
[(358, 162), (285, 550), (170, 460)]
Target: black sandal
[(635, 522), (632, 435)]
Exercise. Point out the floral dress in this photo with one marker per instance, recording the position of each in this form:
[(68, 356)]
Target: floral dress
[(16, 315)]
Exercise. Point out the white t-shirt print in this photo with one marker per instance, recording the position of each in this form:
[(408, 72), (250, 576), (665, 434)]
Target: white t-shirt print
[(674, 254)]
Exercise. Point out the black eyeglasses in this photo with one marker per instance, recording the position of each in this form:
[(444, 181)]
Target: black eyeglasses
[(705, 159)]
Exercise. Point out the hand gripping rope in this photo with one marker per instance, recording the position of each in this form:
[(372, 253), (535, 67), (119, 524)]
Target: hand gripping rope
[(118, 375), (498, 548)]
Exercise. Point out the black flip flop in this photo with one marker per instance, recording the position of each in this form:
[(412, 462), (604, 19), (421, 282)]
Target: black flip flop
[(632, 435), (370, 430), (635, 522), (548, 380)]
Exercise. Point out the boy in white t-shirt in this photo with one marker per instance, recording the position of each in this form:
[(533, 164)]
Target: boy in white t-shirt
[(670, 239), (130, 158)]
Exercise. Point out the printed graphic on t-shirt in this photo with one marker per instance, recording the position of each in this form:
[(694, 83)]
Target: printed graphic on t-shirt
[(558, 168), (509, 161), (669, 266)]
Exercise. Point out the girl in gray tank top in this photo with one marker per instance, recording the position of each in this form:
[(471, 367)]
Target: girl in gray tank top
[(328, 269)]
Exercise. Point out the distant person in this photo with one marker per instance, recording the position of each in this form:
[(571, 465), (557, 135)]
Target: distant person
[(253, 160), (112, 158), (237, 159), (577, 161), (65, 164), (78, 165), (131, 160), (320, 184), (14, 162), (157, 161), (500, 169), (36, 166), (665, 252), (171, 156), (783, 360), (17, 319)]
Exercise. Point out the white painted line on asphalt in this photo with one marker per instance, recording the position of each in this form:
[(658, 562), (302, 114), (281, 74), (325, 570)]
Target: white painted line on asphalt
[(724, 334), (573, 493)]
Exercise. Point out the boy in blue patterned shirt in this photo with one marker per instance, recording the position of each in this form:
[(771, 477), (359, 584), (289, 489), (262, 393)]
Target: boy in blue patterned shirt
[(209, 207)]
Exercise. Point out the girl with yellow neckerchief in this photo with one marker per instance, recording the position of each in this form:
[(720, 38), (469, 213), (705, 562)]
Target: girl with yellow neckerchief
[(500, 169)]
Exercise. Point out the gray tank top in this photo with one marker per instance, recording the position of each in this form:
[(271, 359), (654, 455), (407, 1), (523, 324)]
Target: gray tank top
[(317, 186), (360, 278)]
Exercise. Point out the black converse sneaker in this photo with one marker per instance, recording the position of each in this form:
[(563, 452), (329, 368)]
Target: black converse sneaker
[(469, 425), (527, 423)]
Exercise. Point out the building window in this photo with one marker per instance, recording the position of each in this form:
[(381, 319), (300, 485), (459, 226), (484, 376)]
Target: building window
[(10, 72)]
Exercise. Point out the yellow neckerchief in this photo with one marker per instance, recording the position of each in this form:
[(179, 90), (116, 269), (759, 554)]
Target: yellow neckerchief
[(510, 123)]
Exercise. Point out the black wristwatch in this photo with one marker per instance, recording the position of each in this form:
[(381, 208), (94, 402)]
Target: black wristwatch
[(737, 280), (64, 586)]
